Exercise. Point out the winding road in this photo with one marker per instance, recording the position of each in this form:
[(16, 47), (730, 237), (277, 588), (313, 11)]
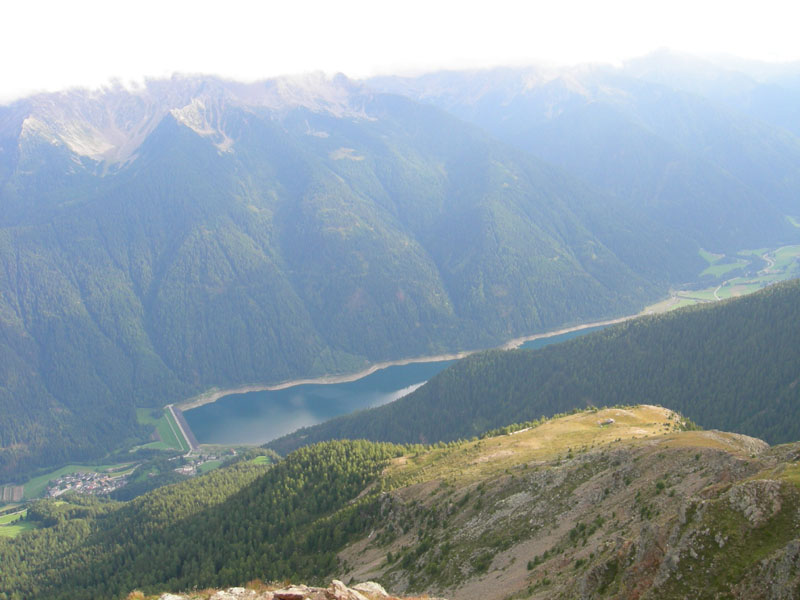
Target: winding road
[(768, 269)]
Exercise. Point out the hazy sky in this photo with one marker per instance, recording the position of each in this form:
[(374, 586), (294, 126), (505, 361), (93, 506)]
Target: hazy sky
[(55, 44)]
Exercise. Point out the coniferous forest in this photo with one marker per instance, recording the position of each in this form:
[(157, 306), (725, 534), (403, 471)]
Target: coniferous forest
[(199, 232), (241, 522), (203, 233)]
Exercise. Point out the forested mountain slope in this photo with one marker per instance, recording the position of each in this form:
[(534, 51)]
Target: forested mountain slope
[(198, 233), (731, 365), (195, 232), (228, 527), (605, 504)]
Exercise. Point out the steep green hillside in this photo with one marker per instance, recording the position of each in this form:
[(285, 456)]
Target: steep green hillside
[(251, 238), (608, 503), (202, 233), (221, 529), (731, 366)]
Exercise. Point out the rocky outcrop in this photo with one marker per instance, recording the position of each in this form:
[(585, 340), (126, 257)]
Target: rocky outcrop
[(774, 578), (335, 591), (757, 500), (671, 516)]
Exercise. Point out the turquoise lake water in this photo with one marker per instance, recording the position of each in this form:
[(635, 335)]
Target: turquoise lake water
[(258, 417)]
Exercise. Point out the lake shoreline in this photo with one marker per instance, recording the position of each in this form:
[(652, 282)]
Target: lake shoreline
[(213, 395)]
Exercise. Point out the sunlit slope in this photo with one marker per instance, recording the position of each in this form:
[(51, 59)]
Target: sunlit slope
[(582, 506), (608, 503)]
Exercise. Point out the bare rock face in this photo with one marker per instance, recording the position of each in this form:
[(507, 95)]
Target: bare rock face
[(757, 500), (372, 590), (295, 592), (775, 578), (339, 591), (336, 591), (235, 593)]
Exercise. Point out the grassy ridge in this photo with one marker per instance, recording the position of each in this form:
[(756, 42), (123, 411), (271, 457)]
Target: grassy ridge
[(555, 494), (550, 439)]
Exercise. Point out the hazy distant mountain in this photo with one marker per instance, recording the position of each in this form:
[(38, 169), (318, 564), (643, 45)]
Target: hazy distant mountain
[(198, 232), (765, 91), (670, 138)]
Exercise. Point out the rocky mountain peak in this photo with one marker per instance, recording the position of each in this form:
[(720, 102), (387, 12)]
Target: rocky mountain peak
[(109, 124)]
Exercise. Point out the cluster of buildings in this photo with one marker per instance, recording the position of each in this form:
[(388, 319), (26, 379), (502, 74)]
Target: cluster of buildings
[(194, 462), (86, 483), (105, 483)]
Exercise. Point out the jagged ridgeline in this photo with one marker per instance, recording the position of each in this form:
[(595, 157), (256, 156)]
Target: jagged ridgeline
[(614, 503), (731, 366), (200, 233)]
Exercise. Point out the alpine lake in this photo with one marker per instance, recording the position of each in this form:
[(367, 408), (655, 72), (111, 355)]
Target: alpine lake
[(257, 417)]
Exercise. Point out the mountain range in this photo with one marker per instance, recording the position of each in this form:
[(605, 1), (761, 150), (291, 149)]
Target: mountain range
[(666, 135), (196, 232)]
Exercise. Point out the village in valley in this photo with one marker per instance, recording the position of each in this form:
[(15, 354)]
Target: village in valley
[(174, 451), (86, 483), (103, 483)]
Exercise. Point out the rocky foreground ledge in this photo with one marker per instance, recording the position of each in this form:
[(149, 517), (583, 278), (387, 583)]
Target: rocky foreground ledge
[(336, 591)]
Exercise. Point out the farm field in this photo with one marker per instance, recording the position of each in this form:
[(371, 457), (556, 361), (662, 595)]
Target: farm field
[(6, 519), (208, 466), (11, 526), (720, 269), (782, 263), (786, 258), (720, 264)]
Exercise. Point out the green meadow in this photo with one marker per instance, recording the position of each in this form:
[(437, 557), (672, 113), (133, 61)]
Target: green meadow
[(12, 525), (782, 263), (167, 428)]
